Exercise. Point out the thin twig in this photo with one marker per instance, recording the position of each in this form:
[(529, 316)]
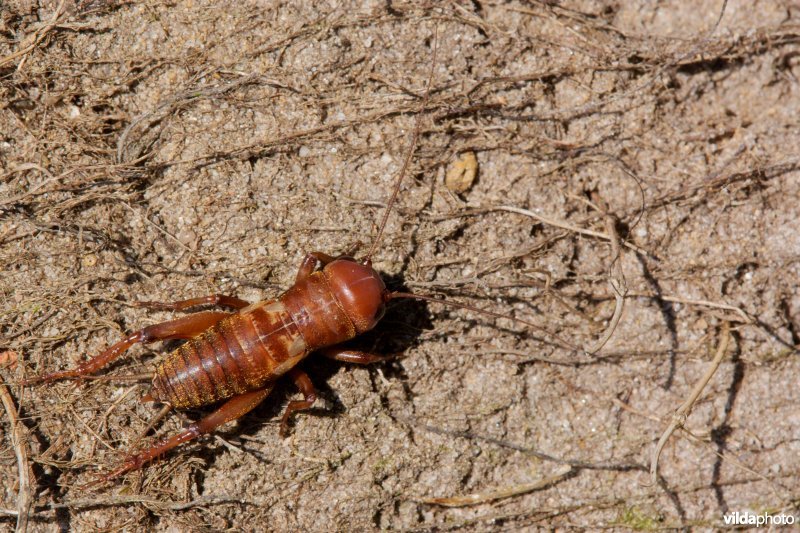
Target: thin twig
[(530, 358), (35, 39), (118, 500), (743, 316), (707, 303), (485, 497), (563, 225), (32, 327), (679, 417), (618, 286), (155, 420), (20, 448)]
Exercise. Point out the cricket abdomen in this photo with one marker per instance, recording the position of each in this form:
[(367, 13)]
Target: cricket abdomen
[(240, 353)]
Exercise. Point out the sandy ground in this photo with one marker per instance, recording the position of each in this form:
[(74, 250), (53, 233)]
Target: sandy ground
[(159, 151)]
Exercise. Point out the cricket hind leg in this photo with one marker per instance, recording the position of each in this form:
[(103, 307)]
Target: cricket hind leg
[(230, 410), (181, 328), (211, 299)]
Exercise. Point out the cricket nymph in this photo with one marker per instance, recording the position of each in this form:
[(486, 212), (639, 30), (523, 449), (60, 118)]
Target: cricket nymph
[(247, 350)]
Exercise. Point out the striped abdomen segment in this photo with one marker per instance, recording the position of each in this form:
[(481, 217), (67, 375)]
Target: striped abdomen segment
[(240, 353)]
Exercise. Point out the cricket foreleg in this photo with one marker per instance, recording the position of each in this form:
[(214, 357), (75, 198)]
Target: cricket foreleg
[(309, 264)]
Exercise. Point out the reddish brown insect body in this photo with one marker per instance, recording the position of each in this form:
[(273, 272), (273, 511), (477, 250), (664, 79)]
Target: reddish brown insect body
[(239, 356), (248, 350)]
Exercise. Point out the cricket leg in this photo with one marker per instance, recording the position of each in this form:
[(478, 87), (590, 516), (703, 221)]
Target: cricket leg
[(303, 383), (212, 299), (230, 410), (181, 328), (309, 264), (352, 356)]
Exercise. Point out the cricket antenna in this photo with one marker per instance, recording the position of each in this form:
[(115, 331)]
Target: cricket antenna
[(407, 161), (433, 299)]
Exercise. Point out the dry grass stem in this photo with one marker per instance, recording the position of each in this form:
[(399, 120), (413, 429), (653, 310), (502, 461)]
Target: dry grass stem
[(564, 225), (20, 444), (34, 39), (680, 415), (616, 280), (500, 494), (745, 318)]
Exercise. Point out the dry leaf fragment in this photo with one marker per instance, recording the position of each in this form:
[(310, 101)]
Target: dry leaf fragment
[(8, 359), (462, 173)]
